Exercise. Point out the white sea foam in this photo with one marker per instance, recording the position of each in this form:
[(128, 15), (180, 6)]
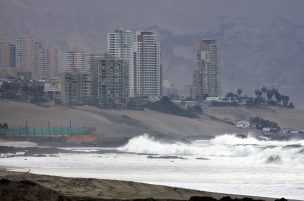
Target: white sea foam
[(236, 165), (221, 146)]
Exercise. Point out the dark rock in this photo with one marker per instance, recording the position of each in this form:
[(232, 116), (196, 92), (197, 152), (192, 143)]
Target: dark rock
[(201, 158), (197, 198), (165, 157)]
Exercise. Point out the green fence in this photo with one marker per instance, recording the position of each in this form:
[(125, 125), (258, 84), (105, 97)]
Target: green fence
[(51, 131)]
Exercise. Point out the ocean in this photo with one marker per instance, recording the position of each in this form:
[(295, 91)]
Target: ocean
[(226, 164)]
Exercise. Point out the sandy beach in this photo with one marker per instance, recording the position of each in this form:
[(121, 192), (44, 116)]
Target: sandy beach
[(94, 189), (115, 128)]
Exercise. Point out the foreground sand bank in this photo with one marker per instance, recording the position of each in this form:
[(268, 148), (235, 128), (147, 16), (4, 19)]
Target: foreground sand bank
[(53, 188)]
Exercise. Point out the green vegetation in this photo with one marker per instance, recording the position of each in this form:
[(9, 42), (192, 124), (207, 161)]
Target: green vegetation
[(262, 123), (22, 90), (264, 96), (165, 105)]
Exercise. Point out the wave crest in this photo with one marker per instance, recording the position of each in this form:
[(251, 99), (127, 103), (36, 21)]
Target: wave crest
[(219, 146)]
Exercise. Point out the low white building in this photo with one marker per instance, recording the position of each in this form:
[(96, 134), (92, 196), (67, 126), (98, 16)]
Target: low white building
[(270, 129), (267, 129), (286, 130), (185, 103), (216, 99), (52, 88), (242, 124)]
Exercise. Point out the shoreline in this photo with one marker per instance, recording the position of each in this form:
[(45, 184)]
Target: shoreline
[(103, 165), (103, 189)]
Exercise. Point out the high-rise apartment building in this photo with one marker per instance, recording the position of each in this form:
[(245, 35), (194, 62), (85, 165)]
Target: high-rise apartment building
[(53, 68), (38, 56), (76, 88), (147, 66), (12, 56), (46, 62), (120, 45), (206, 72), (110, 81), (7, 55), (90, 60), (25, 54), (76, 60), (4, 54), (30, 58)]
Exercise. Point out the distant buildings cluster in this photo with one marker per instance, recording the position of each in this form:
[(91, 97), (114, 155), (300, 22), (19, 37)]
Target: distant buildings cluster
[(29, 57), (129, 70)]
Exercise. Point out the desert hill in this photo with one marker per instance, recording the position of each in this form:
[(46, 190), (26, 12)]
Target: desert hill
[(124, 124)]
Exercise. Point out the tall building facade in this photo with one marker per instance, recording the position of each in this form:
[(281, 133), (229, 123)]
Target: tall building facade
[(110, 81), (53, 66), (46, 62), (4, 54), (7, 55), (12, 55), (25, 54), (147, 65), (38, 56), (76, 88), (206, 72), (120, 45), (76, 60)]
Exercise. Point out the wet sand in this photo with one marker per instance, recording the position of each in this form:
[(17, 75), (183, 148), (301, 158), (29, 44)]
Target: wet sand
[(99, 189)]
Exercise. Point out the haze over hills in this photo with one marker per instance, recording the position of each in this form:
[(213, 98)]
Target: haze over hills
[(261, 42)]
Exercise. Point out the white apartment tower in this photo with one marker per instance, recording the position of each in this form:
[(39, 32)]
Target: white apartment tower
[(147, 65), (120, 45), (76, 61), (207, 73)]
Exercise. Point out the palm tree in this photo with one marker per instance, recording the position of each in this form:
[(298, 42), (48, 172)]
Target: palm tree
[(269, 94), (285, 100), (229, 94), (277, 95), (264, 90), (258, 92), (291, 105), (239, 91)]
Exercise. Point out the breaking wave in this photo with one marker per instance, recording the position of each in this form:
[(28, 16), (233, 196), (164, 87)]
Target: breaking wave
[(227, 145)]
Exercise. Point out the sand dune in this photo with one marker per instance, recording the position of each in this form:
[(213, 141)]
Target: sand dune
[(124, 124)]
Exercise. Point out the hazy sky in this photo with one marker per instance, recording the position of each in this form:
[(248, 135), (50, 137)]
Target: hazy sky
[(253, 35)]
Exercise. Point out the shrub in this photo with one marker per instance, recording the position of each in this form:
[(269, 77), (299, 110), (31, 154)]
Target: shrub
[(262, 123), (165, 105)]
